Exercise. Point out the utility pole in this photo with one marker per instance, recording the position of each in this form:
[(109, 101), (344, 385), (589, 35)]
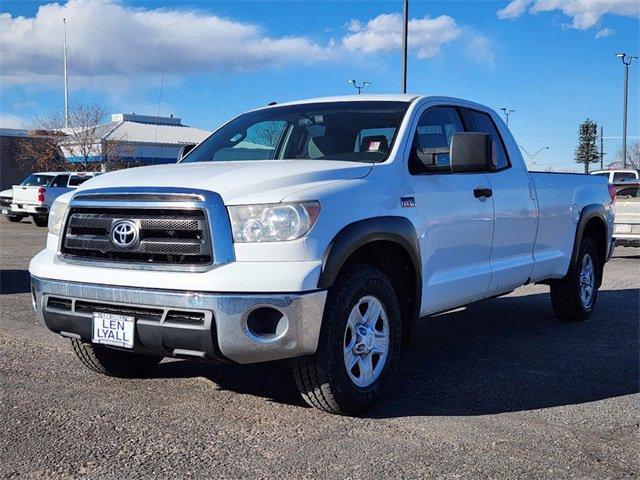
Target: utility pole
[(405, 41), (626, 60), (601, 148), (66, 82), (507, 112)]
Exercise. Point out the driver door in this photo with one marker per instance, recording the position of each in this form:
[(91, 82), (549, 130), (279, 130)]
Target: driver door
[(455, 224)]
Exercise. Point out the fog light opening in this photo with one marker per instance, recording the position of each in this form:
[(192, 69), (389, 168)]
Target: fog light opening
[(267, 323)]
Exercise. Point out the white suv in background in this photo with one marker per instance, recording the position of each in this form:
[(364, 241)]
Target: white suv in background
[(618, 175)]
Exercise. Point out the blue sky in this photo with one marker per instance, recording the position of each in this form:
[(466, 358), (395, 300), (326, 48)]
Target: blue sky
[(550, 60)]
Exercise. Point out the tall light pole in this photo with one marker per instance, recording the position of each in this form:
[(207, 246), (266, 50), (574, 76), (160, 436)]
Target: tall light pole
[(359, 87), (66, 82), (626, 60), (405, 42), (507, 112)]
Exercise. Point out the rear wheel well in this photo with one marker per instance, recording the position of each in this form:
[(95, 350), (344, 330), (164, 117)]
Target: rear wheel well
[(596, 230), (396, 264)]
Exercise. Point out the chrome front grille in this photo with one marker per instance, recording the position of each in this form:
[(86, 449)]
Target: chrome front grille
[(164, 236), (176, 229)]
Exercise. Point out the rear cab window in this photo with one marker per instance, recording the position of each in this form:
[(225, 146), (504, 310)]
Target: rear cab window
[(78, 180), (37, 180), (60, 181)]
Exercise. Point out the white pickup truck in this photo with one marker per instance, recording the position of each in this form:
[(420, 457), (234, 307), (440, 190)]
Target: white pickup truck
[(317, 232), (37, 192)]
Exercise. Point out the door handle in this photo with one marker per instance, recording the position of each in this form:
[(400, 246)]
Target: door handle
[(482, 192)]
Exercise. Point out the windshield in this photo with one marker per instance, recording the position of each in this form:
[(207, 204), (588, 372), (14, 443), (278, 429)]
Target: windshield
[(349, 131), (37, 180)]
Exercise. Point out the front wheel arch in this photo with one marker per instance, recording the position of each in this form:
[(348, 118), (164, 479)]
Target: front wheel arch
[(376, 241)]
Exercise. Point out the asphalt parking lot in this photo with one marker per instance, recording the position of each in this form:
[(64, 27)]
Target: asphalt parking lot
[(499, 389)]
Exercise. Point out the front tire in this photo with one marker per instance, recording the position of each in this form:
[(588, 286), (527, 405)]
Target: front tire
[(40, 220), (574, 297), (112, 362), (359, 344)]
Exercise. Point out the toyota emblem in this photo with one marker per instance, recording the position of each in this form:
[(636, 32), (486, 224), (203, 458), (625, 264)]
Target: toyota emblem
[(124, 233)]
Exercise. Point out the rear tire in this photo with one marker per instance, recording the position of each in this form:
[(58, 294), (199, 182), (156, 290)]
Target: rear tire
[(361, 329), (112, 362), (41, 220), (14, 219), (574, 297)]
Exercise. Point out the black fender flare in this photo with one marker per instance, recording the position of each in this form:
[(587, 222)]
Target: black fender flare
[(394, 229), (588, 213)]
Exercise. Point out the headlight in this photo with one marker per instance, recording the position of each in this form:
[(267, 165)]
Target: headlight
[(56, 214), (275, 222)]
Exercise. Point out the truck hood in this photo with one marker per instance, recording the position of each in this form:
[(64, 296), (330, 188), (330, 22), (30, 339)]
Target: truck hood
[(265, 181)]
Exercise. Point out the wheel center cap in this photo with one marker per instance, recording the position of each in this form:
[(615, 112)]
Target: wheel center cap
[(365, 339)]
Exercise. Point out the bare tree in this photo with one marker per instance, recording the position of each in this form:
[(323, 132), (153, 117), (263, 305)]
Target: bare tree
[(40, 151), (268, 134), (80, 146), (633, 157)]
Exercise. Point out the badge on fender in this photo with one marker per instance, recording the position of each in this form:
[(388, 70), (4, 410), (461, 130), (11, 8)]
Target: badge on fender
[(407, 202)]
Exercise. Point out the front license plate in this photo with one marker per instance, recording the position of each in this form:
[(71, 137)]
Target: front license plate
[(114, 330), (5, 211), (621, 228)]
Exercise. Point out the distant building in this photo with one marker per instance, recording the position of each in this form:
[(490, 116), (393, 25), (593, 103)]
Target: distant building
[(142, 139), (12, 169)]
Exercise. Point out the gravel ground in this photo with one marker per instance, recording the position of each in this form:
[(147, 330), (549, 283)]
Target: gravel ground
[(498, 389)]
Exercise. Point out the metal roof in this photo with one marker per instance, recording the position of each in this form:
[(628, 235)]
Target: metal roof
[(156, 120), (149, 133), (131, 131)]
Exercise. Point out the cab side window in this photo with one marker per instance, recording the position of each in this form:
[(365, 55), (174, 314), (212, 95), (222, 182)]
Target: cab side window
[(432, 140), (60, 181), (75, 181), (483, 123)]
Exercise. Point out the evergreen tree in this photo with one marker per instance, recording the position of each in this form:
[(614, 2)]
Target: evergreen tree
[(587, 151)]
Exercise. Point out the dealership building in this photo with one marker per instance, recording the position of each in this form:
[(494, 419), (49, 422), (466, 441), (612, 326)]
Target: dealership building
[(12, 168), (143, 139)]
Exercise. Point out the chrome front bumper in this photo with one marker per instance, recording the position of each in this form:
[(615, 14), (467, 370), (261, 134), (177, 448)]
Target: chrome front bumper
[(221, 333)]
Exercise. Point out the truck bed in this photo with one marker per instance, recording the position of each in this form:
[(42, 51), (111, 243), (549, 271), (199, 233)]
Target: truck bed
[(561, 198), (26, 195)]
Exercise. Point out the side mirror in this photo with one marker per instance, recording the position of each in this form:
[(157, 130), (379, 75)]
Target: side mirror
[(472, 152), (184, 150)]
